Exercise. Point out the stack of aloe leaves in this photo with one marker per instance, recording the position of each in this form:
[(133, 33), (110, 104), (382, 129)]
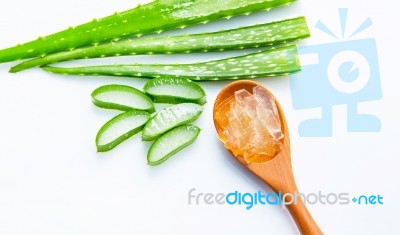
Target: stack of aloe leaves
[(119, 35)]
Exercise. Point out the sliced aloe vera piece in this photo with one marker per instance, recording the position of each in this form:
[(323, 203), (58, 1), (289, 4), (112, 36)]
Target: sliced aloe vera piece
[(175, 90), (273, 62), (120, 128), (121, 97), (172, 142), (169, 118)]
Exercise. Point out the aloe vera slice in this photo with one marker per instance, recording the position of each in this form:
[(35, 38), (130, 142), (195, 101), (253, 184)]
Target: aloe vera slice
[(120, 128), (172, 142), (169, 118), (156, 16), (174, 91), (121, 97), (273, 62), (269, 34)]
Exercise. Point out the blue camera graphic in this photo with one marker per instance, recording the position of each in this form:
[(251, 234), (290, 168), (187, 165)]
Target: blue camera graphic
[(338, 73)]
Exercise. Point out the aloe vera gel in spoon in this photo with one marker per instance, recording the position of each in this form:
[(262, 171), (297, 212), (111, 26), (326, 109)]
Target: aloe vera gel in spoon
[(250, 125)]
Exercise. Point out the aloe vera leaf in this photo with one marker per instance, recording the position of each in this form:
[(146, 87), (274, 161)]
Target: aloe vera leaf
[(121, 97), (120, 128), (172, 142), (268, 34), (175, 90), (274, 62), (155, 16)]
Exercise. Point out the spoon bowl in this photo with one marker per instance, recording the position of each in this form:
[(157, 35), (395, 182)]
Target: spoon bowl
[(276, 172)]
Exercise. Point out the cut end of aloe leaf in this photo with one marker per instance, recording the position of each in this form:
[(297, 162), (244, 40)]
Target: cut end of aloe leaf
[(120, 128), (170, 118), (175, 90), (172, 142), (121, 97)]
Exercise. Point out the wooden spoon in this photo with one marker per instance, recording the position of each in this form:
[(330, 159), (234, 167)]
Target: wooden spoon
[(277, 172)]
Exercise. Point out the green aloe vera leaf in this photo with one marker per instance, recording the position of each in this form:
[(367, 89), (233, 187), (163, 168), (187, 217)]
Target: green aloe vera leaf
[(170, 118), (272, 62), (156, 16), (175, 90), (121, 97), (269, 34), (120, 128), (172, 142)]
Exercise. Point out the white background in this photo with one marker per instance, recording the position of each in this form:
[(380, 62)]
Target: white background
[(52, 181)]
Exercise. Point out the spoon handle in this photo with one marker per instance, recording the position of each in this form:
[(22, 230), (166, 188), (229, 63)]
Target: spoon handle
[(278, 174), (295, 204), (303, 218)]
